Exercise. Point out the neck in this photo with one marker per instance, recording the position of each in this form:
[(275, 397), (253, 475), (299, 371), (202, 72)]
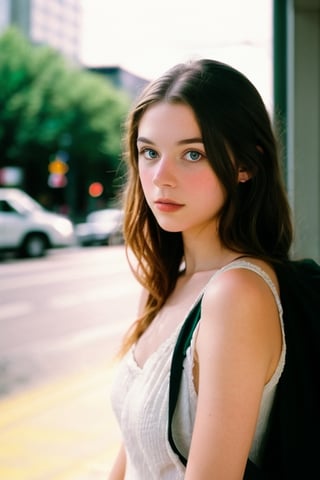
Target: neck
[(203, 263), (203, 251)]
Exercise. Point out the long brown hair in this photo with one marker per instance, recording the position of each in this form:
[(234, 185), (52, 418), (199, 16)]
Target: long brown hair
[(237, 133)]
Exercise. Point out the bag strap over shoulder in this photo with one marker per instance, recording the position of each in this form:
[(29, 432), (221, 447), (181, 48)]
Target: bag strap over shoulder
[(179, 353)]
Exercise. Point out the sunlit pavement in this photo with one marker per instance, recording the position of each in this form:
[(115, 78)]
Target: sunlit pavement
[(64, 430)]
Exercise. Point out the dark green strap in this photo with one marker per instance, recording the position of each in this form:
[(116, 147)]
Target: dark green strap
[(179, 353)]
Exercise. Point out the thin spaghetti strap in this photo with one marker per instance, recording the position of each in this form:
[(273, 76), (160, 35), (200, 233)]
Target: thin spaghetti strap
[(239, 263)]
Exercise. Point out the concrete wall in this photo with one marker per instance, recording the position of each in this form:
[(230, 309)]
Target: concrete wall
[(303, 123)]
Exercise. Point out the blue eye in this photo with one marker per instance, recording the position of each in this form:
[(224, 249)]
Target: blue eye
[(193, 156), (149, 153)]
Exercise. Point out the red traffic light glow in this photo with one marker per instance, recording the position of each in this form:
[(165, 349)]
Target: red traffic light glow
[(95, 189)]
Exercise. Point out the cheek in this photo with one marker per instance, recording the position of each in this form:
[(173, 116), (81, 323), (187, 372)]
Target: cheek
[(207, 188), (204, 180), (145, 176), (198, 182)]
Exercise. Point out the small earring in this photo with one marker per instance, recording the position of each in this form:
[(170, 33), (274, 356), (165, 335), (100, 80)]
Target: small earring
[(243, 176)]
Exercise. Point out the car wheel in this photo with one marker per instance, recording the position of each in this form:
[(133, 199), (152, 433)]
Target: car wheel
[(34, 246)]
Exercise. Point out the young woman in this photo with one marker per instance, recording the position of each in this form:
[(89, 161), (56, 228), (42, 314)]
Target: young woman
[(206, 217)]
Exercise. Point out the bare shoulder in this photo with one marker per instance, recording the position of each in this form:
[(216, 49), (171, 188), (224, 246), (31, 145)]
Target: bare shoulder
[(240, 315), (238, 303), (242, 285)]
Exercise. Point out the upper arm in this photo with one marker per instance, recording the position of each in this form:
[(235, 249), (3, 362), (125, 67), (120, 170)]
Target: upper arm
[(238, 344)]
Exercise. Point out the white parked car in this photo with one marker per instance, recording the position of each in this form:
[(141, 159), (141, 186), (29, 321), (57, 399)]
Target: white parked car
[(27, 228), (102, 227)]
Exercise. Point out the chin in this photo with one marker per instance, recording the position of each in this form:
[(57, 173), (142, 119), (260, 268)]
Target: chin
[(170, 228)]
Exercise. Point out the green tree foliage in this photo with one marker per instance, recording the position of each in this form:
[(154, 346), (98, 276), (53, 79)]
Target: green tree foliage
[(47, 105)]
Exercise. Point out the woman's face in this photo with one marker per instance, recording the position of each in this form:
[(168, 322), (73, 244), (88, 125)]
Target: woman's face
[(178, 182)]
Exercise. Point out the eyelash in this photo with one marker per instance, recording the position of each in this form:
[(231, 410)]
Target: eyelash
[(200, 155), (144, 153)]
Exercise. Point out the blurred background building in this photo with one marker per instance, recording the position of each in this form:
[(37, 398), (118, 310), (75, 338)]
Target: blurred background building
[(58, 24), (50, 22), (296, 66)]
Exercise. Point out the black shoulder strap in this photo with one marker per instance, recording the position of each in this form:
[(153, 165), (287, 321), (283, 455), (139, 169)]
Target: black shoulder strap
[(252, 472)]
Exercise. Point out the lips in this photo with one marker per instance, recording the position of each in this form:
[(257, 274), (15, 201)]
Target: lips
[(167, 205)]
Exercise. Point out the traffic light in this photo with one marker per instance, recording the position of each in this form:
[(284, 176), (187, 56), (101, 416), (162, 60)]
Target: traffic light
[(95, 189), (58, 169)]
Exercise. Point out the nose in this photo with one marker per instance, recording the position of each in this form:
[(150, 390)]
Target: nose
[(165, 174)]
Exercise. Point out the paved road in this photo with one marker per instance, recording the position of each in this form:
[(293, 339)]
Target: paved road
[(60, 326), (62, 313)]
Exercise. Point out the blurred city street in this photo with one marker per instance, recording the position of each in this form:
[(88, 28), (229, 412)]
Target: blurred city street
[(69, 81), (62, 318)]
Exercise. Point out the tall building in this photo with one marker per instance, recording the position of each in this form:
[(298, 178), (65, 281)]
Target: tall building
[(4, 14), (51, 22)]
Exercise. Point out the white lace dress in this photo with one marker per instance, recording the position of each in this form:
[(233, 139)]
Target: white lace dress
[(140, 402)]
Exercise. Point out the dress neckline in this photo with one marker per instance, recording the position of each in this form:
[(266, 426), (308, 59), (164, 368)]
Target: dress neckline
[(162, 347), (236, 262), (174, 333)]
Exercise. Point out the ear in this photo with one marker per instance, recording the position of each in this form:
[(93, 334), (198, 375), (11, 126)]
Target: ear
[(243, 175)]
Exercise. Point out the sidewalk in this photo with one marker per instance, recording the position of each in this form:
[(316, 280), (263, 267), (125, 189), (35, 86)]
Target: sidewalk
[(64, 430)]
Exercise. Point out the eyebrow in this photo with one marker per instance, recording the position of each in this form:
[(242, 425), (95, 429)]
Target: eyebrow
[(185, 141)]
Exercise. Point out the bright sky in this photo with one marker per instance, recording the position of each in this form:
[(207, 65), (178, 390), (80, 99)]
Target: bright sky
[(147, 37)]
